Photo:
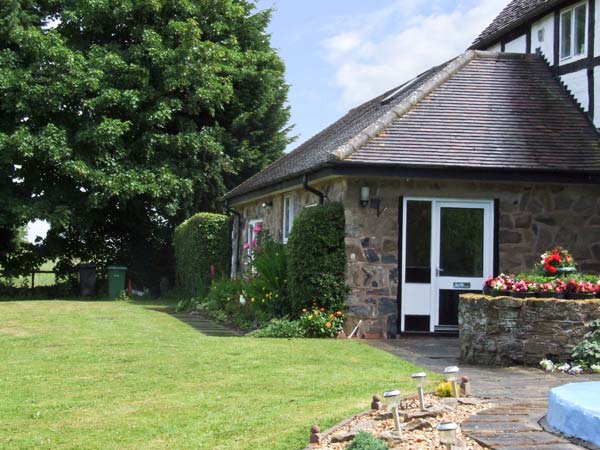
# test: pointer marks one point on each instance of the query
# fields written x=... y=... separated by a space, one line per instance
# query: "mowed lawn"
x=116 y=375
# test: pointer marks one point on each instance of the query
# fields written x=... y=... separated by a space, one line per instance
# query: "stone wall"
x=506 y=330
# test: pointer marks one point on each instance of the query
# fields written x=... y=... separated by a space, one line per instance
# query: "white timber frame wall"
x=580 y=73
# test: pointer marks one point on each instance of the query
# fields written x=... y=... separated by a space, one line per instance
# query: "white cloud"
x=369 y=61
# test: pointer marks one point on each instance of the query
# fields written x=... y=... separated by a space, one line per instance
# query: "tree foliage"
x=120 y=118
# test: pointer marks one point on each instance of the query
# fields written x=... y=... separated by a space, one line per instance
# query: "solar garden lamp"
x=419 y=378
x=447 y=434
x=451 y=375
x=392 y=398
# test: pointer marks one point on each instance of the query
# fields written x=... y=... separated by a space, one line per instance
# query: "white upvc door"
x=462 y=255
x=447 y=250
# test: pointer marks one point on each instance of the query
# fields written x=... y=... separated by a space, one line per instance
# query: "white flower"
x=242 y=300
x=595 y=368
x=547 y=365
x=576 y=370
x=564 y=368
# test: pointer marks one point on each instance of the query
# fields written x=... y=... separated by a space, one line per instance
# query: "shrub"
x=268 y=282
x=588 y=350
x=320 y=323
x=444 y=389
x=317 y=258
x=366 y=441
x=202 y=245
x=280 y=328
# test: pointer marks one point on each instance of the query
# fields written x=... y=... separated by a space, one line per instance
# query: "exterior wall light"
x=447 y=434
x=365 y=195
x=420 y=380
x=268 y=204
x=451 y=376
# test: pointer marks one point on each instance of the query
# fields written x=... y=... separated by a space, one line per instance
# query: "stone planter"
x=508 y=330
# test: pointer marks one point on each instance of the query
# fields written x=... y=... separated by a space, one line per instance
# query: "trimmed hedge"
x=200 y=242
x=317 y=258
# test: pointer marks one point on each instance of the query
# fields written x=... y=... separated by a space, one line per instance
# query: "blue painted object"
x=574 y=409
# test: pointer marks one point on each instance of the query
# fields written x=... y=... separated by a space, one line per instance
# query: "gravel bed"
x=377 y=422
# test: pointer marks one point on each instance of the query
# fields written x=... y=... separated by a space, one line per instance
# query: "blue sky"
x=339 y=53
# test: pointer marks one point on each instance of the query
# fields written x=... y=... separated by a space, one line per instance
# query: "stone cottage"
x=473 y=168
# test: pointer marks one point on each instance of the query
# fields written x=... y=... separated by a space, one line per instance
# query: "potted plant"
x=501 y=285
x=581 y=290
x=520 y=289
x=558 y=261
x=552 y=289
x=487 y=285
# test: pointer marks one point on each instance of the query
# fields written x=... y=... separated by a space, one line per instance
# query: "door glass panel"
x=461 y=242
x=418 y=242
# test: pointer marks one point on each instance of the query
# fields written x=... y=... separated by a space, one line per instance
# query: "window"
x=289 y=207
x=254 y=227
x=573 y=31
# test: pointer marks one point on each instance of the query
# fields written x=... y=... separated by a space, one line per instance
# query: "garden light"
x=392 y=398
x=451 y=376
x=447 y=434
x=419 y=377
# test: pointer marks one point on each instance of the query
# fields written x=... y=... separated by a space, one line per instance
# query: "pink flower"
x=258 y=227
x=254 y=242
x=246 y=246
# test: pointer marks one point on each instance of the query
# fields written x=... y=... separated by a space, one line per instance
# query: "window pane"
x=566 y=21
x=418 y=242
x=286 y=217
x=580 y=24
x=461 y=242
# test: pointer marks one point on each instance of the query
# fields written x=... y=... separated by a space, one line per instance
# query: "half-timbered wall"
x=580 y=75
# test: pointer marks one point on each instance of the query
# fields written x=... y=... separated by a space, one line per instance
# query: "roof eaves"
x=373 y=130
x=481 y=43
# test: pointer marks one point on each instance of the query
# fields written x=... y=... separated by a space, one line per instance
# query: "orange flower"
x=322 y=309
x=304 y=310
x=339 y=313
x=328 y=324
x=332 y=316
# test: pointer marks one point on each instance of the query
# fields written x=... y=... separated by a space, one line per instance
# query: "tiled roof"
x=502 y=110
x=483 y=110
x=516 y=13
x=319 y=149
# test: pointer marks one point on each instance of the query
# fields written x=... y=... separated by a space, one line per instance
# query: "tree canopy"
x=121 y=118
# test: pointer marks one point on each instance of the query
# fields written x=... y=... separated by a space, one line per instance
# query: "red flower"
x=550 y=269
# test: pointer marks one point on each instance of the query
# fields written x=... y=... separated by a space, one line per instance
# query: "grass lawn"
x=116 y=375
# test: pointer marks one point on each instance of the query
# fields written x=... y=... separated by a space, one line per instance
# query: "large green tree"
x=120 y=118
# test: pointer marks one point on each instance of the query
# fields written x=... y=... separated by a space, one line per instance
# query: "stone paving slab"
x=204 y=325
x=519 y=393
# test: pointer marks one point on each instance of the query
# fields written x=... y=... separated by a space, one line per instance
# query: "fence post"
x=32 y=280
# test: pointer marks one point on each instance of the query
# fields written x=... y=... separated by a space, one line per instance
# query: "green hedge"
x=200 y=242
x=317 y=258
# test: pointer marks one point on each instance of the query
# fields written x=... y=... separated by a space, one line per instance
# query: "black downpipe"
x=308 y=188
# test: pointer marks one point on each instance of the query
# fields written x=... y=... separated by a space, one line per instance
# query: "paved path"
x=520 y=393
x=203 y=325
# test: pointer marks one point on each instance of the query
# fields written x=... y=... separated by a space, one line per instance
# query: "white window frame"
x=571 y=10
x=250 y=235
x=288 y=216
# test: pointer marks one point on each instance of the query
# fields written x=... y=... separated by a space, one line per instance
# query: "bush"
x=280 y=328
x=366 y=441
x=587 y=352
x=202 y=249
x=267 y=285
x=320 y=323
x=444 y=389
x=317 y=258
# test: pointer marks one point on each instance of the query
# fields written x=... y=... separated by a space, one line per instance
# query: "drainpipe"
x=322 y=196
